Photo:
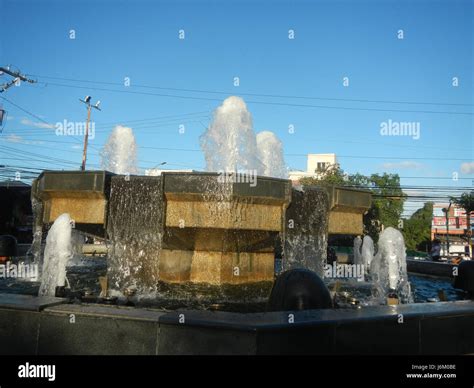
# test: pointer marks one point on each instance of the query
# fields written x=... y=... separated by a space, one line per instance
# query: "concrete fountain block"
x=97 y=329
x=20 y=320
x=82 y=194
x=220 y=232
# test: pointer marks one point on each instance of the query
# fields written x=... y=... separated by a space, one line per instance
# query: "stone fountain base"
x=195 y=228
x=42 y=326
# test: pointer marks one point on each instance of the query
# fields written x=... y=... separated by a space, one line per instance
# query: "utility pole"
x=17 y=76
x=446 y=214
x=87 y=101
x=3 y=115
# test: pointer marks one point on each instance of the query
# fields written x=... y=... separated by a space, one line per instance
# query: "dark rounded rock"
x=465 y=278
x=299 y=289
x=60 y=292
x=8 y=245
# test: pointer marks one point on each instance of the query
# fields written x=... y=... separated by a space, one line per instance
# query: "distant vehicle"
x=454 y=250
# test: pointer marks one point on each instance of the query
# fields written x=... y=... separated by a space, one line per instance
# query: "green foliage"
x=466 y=201
x=333 y=175
x=417 y=229
x=388 y=197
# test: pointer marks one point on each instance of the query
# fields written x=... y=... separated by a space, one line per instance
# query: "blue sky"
x=249 y=40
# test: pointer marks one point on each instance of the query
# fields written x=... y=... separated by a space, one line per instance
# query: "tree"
x=466 y=202
x=331 y=176
x=388 y=197
x=417 y=229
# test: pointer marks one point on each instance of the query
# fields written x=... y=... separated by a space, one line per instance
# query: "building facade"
x=451 y=227
x=316 y=164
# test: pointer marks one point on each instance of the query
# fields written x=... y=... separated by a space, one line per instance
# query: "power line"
x=144 y=126
x=153 y=126
x=387 y=157
x=34 y=115
x=104 y=129
x=159 y=118
x=366 y=141
x=17 y=77
x=17 y=152
x=25 y=110
x=21 y=167
x=153 y=163
x=256 y=102
x=339 y=156
x=255 y=94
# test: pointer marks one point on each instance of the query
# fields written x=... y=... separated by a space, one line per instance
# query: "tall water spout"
x=270 y=153
x=229 y=144
x=389 y=267
x=367 y=252
x=357 y=252
x=119 y=154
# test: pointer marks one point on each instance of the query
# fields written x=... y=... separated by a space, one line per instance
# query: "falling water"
x=389 y=268
x=135 y=228
x=306 y=230
x=270 y=153
x=119 y=154
x=35 y=248
x=57 y=253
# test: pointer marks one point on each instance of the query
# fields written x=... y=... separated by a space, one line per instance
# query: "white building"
x=158 y=171
x=315 y=165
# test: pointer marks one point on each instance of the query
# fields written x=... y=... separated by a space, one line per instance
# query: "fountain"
x=188 y=233
x=135 y=228
x=200 y=236
x=388 y=267
x=305 y=237
x=357 y=251
x=367 y=253
x=363 y=254
x=177 y=229
x=270 y=152
x=119 y=154
x=189 y=260
x=211 y=240
x=57 y=253
x=230 y=144
x=383 y=279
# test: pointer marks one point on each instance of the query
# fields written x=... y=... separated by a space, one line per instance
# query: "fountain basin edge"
x=37 y=325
